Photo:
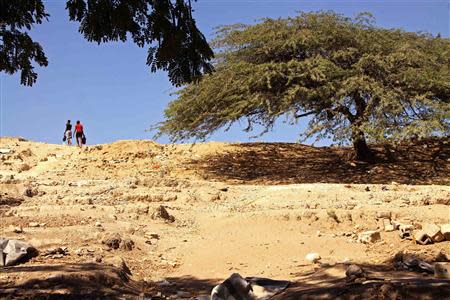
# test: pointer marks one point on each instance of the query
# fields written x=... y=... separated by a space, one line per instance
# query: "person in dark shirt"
x=68 y=133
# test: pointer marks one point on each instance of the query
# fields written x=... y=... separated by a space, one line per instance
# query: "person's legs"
x=78 y=137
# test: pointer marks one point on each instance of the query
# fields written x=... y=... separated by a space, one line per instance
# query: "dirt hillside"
x=140 y=219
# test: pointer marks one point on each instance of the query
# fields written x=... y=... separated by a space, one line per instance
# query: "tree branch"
x=306 y=114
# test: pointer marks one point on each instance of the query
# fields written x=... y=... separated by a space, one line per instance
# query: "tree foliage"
x=166 y=27
x=353 y=79
x=17 y=49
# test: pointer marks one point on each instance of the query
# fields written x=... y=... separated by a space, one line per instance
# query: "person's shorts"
x=68 y=134
x=79 y=135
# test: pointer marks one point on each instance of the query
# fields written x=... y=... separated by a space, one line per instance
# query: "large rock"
x=368 y=237
x=14 y=252
x=434 y=232
x=422 y=238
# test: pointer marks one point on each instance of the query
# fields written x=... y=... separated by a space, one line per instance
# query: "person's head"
x=68 y=121
x=78 y=122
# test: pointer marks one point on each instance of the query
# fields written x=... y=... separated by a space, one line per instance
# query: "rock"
x=152 y=235
x=183 y=294
x=395 y=224
x=353 y=272
x=422 y=238
x=6 y=151
x=313 y=257
x=143 y=210
x=368 y=237
x=332 y=214
x=113 y=241
x=30 y=192
x=127 y=244
x=384 y=215
x=56 y=252
x=14 y=252
x=406 y=231
x=445 y=229
x=16 y=229
x=98 y=224
x=33 y=224
x=24 y=167
x=387 y=225
x=442 y=270
x=434 y=232
x=162 y=213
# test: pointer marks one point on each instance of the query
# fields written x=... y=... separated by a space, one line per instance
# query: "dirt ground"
x=255 y=209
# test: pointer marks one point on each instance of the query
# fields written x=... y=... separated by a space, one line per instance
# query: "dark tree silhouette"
x=166 y=27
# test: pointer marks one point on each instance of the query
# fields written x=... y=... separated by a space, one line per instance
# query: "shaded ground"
x=426 y=162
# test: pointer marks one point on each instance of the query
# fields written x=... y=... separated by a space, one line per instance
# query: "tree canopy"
x=354 y=80
x=167 y=27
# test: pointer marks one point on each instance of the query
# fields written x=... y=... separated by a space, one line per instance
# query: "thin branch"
x=306 y=114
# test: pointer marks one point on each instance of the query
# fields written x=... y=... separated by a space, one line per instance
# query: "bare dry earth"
x=256 y=209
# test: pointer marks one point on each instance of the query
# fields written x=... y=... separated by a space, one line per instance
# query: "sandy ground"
x=255 y=209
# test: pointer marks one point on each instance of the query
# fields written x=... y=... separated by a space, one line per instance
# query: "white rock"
x=368 y=237
x=313 y=257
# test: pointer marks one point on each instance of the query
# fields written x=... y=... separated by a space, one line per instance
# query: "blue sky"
x=110 y=89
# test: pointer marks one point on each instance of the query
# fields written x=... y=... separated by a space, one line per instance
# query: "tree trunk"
x=362 y=150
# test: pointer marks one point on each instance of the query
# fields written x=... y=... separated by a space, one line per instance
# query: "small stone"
x=33 y=224
x=406 y=231
x=16 y=229
x=445 y=229
x=127 y=244
x=162 y=213
x=98 y=224
x=387 y=225
x=368 y=237
x=313 y=257
x=113 y=241
x=384 y=215
x=183 y=294
x=395 y=224
x=442 y=270
x=353 y=272
x=30 y=192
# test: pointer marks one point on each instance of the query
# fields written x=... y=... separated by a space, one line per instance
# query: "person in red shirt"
x=79 y=133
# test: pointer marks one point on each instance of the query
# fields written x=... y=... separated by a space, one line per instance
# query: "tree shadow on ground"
x=427 y=162
x=99 y=281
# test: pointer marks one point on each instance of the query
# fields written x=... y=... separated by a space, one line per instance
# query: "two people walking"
x=78 y=133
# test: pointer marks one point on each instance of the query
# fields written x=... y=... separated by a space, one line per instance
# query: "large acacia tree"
x=356 y=82
x=166 y=26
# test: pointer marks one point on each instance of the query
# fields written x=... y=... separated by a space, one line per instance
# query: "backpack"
x=83 y=140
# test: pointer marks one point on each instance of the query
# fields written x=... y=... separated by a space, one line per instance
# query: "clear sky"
x=110 y=89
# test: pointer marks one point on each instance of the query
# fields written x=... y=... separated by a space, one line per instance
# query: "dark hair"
x=78 y=122
x=68 y=121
